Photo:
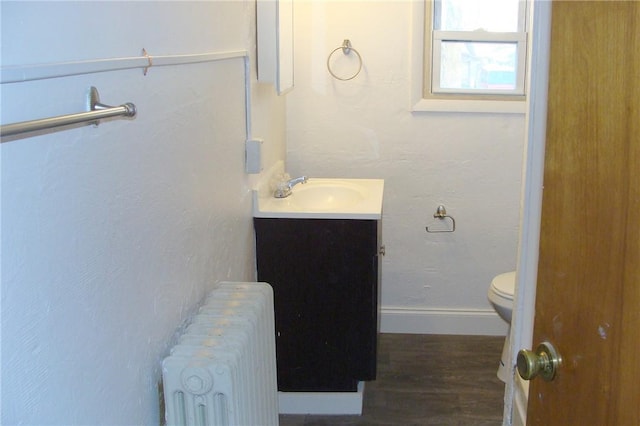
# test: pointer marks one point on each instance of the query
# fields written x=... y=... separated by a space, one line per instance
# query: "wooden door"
x=588 y=294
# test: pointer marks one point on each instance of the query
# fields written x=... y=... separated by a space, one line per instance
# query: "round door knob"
x=544 y=362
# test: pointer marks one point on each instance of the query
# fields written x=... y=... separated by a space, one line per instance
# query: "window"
x=474 y=50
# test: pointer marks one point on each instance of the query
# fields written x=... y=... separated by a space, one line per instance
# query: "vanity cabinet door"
x=324 y=273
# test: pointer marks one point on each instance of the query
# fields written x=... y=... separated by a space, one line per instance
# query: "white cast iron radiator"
x=222 y=372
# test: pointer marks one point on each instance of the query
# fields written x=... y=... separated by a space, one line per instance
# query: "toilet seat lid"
x=505 y=284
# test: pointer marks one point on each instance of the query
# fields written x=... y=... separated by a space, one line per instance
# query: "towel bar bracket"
x=94 y=104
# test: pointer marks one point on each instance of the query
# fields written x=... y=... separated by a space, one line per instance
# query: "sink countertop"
x=367 y=204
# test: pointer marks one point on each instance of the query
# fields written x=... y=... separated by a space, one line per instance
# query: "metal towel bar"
x=97 y=111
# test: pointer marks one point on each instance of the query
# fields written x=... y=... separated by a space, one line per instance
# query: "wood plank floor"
x=427 y=380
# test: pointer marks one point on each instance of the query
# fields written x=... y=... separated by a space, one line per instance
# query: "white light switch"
x=253 y=156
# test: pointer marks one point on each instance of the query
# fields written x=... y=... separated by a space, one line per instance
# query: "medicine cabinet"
x=275 y=43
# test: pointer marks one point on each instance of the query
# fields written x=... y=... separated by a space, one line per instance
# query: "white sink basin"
x=326 y=198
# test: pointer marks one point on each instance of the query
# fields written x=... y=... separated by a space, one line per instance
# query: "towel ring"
x=346 y=49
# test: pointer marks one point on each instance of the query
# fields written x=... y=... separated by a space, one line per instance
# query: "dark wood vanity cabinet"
x=325 y=275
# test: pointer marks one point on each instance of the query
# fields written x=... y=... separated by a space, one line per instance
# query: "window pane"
x=471 y=15
x=478 y=65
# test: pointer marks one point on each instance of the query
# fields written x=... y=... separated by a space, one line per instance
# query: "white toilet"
x=501 y=293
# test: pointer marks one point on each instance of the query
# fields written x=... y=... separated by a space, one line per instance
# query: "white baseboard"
x=325 y=403
x=483 y=322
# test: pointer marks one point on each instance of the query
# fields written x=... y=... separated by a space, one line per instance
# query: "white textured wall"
x=112 y=235
x=471 y=163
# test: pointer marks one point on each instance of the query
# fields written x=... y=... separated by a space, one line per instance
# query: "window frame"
x=424 y=99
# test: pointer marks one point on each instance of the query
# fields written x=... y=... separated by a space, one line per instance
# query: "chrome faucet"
x=284 y=188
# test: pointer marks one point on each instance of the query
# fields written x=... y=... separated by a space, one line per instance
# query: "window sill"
x=470 y=106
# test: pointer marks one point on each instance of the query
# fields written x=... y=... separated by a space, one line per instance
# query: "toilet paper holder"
x=441 y=213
